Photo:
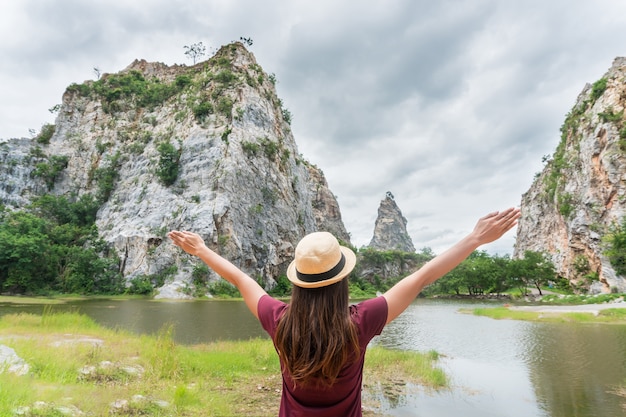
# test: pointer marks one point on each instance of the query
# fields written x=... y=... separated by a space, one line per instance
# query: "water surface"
x=499 y=368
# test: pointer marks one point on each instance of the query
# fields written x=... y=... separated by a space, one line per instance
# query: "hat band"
x=324 y=275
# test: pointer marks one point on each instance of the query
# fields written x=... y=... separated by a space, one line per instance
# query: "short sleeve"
x=270 y=310
x=371 y=317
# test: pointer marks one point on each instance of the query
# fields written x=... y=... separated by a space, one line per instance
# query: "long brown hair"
x=316 y=337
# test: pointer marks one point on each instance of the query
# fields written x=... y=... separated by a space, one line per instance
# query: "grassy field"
x=78 y=367
x=611 y=315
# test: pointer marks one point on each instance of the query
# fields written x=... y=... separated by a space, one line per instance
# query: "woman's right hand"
x=492 y=226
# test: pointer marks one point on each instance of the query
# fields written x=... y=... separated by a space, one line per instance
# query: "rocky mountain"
x=581 y=192
x=390 y=228
x=206 y=148
x=325 y=207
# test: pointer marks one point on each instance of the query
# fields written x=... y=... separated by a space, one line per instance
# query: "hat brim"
x=348 y=267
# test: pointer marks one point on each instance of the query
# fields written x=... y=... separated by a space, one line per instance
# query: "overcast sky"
x=450 y=105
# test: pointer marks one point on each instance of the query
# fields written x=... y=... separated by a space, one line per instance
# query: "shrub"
x=616 y=247
x=226 y=133
x=225 y=106
x=223 y=289
x=202 y=109
x=225 y=77
x=53 y=246
x=107 y=176
x=286 y=115
x=140 y=285
x=250 y=148
x=611 y=116
x=598 y=89
x=49 y=171
x=565 y=204
x=45 y=134
x=168 y=167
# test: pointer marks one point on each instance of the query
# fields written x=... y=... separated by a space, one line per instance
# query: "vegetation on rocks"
x=615 y=242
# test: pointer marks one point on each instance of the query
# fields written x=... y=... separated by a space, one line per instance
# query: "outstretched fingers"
x=509 y=217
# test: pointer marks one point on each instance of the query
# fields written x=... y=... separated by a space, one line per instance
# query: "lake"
x=502 y=368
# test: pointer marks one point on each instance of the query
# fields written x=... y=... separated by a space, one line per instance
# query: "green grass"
x=76 y=363
x=418 y=368
x=612 y=315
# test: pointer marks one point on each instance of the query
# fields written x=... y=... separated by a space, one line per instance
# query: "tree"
x=195 y=51
x=246 y=41
x=535 y=269
x=169 y=157
x=615 y=243
x=54 y=246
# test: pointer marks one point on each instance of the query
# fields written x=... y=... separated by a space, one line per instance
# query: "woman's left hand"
x=190 y=242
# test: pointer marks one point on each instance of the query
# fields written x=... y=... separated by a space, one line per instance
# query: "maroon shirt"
x=343 y=399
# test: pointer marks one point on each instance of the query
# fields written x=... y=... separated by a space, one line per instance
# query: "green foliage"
x=481 y=273
x=615 y=242
x=225 y=77
x=223 y=289
x=49 y=171
x=168 y=167
x=565 y=204
x=286 y=115
x=140 y=285
x=611 y=116
x=145 y=284
x=202 y=110
x=226 y=133
x=250 y=148
x=54 y=246
x=282 y=287
x=598 y=89
x=120 y=92
x=195 y=51
x=225 y=106
x=534 y=269
x=200 y=279
x=182 y=81
x=270 y=148
x=107 y=176
x=47 y=130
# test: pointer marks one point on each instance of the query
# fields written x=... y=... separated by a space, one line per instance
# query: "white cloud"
x=449 y=105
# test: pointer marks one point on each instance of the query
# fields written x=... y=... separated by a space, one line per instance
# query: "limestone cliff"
x=582 y=190
x=206 y=148
x=325 y=206
x=390 y=228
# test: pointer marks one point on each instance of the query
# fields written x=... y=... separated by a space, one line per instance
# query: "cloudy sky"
x=450 y=105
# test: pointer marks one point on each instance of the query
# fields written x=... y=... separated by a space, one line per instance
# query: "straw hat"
x=320 y=261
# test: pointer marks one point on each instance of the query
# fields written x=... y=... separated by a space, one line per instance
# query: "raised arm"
x=193 y=244
x=489 y=228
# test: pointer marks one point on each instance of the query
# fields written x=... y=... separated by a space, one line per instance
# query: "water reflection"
x=513 y=368
x=481 y=355
x=574 y=368
x=197 y=321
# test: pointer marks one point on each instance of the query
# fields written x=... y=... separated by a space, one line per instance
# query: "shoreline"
x=579 y=308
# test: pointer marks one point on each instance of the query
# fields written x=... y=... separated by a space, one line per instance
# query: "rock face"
x=582 y=190
x=390 y=228
x=240 y=182
x=325 y=206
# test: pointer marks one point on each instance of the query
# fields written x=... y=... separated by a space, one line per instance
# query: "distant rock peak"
x=390 y=228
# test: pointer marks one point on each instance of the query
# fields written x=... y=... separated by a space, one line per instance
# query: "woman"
x=320 y=339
